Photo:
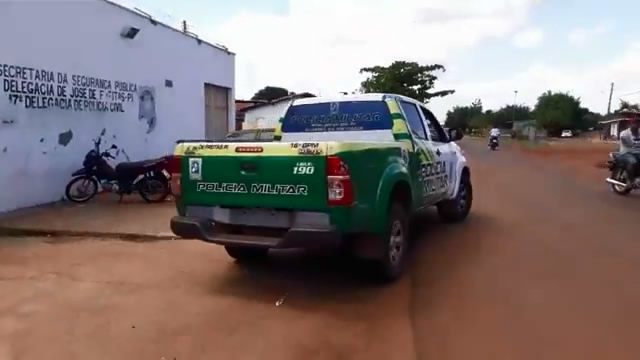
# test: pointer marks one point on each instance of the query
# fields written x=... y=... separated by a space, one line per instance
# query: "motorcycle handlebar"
x=108 y=155
x=96 y=144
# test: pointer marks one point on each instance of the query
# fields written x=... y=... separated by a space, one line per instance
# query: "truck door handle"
x=248 y=167
x=438 y=152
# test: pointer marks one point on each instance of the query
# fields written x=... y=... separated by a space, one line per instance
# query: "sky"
x=490 y=48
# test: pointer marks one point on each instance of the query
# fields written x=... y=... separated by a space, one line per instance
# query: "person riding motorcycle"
x=494 y=133
x=630 y=149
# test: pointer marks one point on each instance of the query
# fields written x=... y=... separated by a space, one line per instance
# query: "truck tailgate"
x=255 y=175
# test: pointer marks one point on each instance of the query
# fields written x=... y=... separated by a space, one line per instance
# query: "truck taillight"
x=173 y=167
x=339 y=186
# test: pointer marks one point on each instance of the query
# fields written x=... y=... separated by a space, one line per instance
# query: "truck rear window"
x=337 y=116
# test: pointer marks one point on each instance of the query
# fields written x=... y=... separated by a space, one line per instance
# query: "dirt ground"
x=104 y=215
x=586 y=157
x=545 y=268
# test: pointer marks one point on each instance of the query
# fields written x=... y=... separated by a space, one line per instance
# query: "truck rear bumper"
x=203 y=229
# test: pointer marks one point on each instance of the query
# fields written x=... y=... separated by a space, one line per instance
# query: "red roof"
x=242 y=104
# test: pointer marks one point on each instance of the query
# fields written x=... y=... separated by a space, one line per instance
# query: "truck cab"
x=347 y=171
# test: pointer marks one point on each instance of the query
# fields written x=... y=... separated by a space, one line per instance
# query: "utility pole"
x=185 y=28
x=610 y=96
x=513 y=113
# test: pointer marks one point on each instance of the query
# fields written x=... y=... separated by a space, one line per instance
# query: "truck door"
x=444 y=170
x=423 y=159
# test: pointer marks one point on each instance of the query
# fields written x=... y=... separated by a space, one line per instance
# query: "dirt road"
x=546 y=268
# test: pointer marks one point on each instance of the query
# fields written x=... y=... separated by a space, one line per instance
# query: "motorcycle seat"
x=137 y=167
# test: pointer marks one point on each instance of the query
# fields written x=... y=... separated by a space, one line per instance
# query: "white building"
x=267 y=115
x=613 y=127
x=72 y=70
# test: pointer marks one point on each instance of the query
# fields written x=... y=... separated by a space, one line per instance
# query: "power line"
x=630 y=93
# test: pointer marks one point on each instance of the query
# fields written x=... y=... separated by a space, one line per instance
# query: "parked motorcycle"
x=493 y=143
x=149 y=178
x=619 y=178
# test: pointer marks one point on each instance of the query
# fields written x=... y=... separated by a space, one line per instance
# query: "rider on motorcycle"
x=494 y=133
x=630 y=148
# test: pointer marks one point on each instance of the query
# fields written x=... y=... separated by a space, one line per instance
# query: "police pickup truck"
x=345 y=171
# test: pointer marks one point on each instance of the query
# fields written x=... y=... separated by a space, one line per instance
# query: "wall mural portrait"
x=147 y=107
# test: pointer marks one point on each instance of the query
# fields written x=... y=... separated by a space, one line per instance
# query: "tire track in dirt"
x=533 y=274
x=544 y=268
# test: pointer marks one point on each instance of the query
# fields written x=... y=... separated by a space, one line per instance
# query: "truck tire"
x=395 y=244
x=457 y=209
x=246 y=254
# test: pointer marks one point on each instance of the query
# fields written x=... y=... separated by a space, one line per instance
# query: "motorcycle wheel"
x=89 y=186
x=154 y=189
x=620 y=175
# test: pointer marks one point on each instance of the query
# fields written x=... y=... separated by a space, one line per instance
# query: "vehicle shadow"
x=308 y=277
x=443 y=250
x=312 y=277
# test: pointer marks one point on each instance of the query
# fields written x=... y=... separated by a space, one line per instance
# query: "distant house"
x=267 y=114
x=612 y=128
x=527 y=128
x=240 y=106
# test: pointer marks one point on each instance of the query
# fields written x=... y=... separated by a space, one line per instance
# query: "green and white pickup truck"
x=344 y=171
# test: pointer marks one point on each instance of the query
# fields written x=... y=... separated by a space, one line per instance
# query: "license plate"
x=260 y=217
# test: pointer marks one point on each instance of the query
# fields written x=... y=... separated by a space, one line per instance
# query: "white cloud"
x=528 y=38
x=320 y=45
x=580 y=36
x=589 y=82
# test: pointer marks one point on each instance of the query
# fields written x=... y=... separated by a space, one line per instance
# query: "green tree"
x=270 y=93
x=460 y=116
x=403 y=78
x=481 y=121
x=490 y=118
x=628 y=106
x=506 y=115
x=555 y=112
x=591 y=120
x=502 y=118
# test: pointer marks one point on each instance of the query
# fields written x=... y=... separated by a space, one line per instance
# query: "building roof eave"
x=156 y=22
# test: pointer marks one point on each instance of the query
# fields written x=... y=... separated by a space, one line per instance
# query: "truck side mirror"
x=455 y=134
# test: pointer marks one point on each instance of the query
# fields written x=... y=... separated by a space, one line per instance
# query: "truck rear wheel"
x=394 y=243
x=457 y=209
x=246 y=254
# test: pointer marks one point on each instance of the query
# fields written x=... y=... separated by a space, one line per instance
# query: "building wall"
x=266 y=116
x=61 y=48
x=614 y=130
x=240 y=106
